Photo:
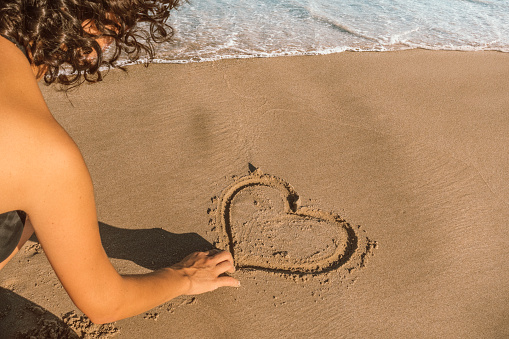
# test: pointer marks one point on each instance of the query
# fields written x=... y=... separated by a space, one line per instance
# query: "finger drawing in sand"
x=380 y=210
x=46 y=185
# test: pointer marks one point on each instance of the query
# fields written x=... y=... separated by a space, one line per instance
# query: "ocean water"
x=217 y=29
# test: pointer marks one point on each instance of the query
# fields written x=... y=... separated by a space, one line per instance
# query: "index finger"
x=222 y=256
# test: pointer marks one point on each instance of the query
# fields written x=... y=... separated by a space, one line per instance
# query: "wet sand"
x=379 y=207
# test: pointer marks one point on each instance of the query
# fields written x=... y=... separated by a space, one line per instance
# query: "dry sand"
x=399 y=160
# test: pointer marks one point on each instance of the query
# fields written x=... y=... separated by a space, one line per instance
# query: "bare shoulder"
x=37 y=157
x=33 y=146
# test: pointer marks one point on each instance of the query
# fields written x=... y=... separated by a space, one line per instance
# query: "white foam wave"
x=309 y=53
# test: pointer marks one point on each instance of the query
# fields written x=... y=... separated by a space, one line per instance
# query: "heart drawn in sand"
x=263 y=226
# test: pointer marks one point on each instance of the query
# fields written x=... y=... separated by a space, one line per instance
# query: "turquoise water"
x=217 y=29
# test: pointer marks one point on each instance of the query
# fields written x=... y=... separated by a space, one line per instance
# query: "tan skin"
x=46 y=177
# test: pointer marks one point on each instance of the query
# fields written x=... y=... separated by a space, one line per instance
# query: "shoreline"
x=408 y=147
x=303 y=54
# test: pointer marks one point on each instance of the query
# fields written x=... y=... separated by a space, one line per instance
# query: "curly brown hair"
x=57 y=33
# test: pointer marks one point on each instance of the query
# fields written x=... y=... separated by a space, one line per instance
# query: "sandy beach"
x=364 y=195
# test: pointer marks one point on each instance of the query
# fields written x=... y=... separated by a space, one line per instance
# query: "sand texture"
x=361 y=194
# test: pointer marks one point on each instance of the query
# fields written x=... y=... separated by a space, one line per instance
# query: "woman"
x=42 y=172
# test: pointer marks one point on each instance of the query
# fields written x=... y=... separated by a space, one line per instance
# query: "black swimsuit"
x=17 y=44
x=11 y=228
x=11 y=223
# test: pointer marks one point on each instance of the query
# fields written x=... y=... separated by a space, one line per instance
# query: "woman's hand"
x=205 y=271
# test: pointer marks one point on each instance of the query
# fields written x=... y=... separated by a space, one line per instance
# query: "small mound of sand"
x=86 y=329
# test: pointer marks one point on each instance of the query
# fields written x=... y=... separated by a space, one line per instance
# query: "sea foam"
x=210 y=30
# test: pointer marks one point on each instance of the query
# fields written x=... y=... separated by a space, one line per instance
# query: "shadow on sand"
x=21 y=318
x=152 y=248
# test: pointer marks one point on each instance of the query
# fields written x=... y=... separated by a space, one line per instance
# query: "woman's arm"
x=54 y=187
x=63 y=213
